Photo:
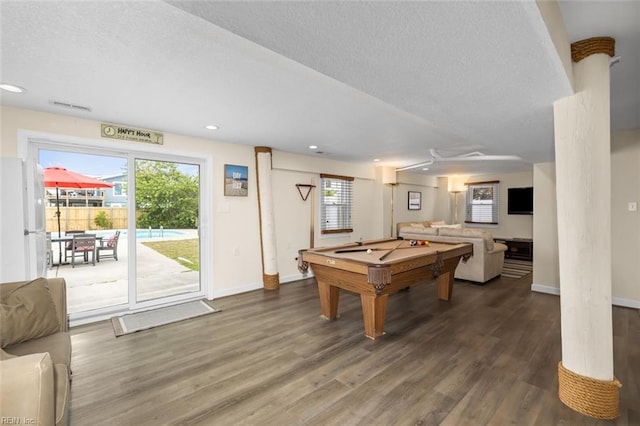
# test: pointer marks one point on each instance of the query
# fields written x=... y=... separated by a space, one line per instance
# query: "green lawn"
x=186 y=252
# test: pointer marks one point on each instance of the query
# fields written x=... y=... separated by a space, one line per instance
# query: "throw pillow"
x=27 y=312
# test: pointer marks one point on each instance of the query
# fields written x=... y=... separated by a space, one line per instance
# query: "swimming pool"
x=157 y=233
x=144 y=233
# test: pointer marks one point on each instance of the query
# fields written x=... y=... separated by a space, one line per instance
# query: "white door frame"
x=30 y=141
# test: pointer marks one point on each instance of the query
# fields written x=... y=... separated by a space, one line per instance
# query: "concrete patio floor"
x=105 y=284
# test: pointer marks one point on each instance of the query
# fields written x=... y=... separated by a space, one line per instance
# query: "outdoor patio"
x=105 y=284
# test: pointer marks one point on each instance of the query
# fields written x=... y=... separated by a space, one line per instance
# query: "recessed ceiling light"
x=425 y=168
x=313 y=146
x=12 y=88
x=375 y=160
x=211 y=127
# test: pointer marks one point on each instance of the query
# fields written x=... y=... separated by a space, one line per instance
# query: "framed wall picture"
x=236 y=182
x=415 y=200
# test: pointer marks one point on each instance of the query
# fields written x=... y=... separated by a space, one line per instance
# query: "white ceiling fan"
x=470 y=156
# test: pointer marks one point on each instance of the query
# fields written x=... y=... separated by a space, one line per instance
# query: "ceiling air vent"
x=72 y=106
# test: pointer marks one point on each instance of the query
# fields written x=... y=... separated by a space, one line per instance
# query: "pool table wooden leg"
x=445 y=286
x=374 y=310
x=329 y=297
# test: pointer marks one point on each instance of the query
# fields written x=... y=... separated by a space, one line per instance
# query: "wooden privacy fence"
x=83 y=218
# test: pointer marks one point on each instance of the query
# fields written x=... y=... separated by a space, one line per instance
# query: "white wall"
x=625 y=225
x=546 y=272
x=13 y=256
x=235 y=260
x=625 y=237
x=293 y=215
x=509 y=226
x=431 y=206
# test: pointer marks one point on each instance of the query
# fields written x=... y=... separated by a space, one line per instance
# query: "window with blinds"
x=483 y=202
x=336 y=199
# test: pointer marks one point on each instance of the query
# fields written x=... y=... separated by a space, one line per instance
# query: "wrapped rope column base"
x=271 y=282
x=589 y=396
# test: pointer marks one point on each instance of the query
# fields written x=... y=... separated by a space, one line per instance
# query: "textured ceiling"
x=620 y=20
x=361 y=80
x=465 y=68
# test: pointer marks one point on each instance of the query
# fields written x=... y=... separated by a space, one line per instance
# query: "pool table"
x=375 y=269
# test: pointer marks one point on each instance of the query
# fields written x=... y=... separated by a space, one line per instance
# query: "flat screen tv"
x=520 y=200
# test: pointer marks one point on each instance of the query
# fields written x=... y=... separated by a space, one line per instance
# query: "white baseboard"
x=256 y=286
x=545 y=289
x=616 y=301
x=295 y=277
x=626 y=303
x=236 y=290
x=74 y=322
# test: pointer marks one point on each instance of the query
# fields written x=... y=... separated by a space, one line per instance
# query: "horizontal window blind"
x=483 y=202
x=336 y=199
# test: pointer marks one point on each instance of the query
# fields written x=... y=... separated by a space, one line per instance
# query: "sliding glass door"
x=146 y=221
x=72 y=207
x=167 y=210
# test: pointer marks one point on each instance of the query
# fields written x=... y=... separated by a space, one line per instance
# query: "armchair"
x=35 y=357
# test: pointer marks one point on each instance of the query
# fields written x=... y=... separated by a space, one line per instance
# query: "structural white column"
x=583 y=188
x=270 y=276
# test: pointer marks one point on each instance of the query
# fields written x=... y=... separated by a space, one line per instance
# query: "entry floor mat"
x=130 y=323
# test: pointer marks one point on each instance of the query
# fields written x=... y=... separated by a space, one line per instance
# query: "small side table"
x=517 y=248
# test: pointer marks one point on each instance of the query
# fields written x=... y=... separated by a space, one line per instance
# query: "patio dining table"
x=68 y=238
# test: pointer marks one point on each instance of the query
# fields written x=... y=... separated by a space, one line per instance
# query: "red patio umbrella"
x=60 y=177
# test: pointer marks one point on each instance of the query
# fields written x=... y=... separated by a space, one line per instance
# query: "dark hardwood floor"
x=488 y=357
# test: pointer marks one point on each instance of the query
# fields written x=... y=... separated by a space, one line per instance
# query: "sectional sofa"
x=488 y=256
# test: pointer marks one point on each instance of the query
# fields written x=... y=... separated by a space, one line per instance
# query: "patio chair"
x=111 y=245
x=83 y=244
x=49 y=251
x=67 y=246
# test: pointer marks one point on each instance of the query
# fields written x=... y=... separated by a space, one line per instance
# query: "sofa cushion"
x=27 y=312
x=419 y=224
x=444 y=225
x=418 y=229
x=470 y=233
x=58 y=345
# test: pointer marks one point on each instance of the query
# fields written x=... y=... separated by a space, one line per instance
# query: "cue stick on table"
x=384 y=256
x=358 y=250
x=395 y=248
x=377 y=249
